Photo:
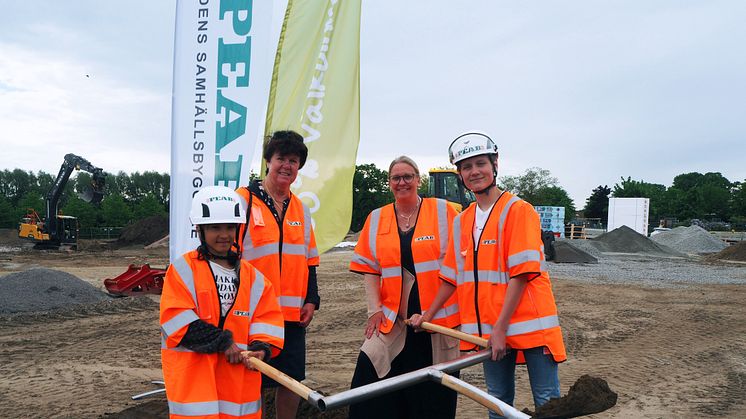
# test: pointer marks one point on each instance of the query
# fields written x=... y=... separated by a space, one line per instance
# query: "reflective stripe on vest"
x=392 y=272
x=375 y=219
x=427 y=266
x=523 y=257
x=484 y=275
x=519 y=328
x=187 y=276
x=287 y=301
x=501 y=227
x=457 y=245
x=446 y=311
x=442 y=206
x=214 y=408
x=391 y=315
x=178 y=321
x=257 y=289
x=362 y=260
x=267 y=329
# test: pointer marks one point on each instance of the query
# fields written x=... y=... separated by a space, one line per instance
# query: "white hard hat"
x=217 y=205
x=469 y=145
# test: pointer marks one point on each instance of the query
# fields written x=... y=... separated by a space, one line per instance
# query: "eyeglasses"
x=406 y=178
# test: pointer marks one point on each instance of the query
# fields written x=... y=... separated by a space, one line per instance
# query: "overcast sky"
x=590 y=90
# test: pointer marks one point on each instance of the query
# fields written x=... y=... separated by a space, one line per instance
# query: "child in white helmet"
x=216 y=312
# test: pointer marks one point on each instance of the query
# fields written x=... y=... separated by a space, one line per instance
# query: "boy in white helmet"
x=495 y=261
x=213 y=307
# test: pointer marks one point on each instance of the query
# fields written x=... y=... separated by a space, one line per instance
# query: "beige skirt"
x=381 y=349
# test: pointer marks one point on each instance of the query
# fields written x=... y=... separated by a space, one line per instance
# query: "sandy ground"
x=667 y=352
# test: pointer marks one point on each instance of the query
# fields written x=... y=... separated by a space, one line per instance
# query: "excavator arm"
x=93 y=194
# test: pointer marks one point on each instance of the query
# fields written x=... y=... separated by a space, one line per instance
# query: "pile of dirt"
x=565 y=252
x=626 y=240
x=693 y=239
x=145 y=231
x=587 y=396
x=41 y=289
x=736 y=252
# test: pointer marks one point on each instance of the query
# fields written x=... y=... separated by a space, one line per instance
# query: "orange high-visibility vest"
x=282 y=254
x=206 y=385
x=378 y=252
x=510 y=245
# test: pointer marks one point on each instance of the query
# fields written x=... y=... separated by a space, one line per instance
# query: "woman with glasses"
x=399 y=253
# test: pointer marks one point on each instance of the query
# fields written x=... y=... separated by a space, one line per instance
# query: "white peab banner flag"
x=223 y=58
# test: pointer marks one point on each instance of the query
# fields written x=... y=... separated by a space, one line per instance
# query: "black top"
x=407 y=262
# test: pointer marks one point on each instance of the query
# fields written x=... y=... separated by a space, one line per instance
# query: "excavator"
x=446 y=184
x=56 y=230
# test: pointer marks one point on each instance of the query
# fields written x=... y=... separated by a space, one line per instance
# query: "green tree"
x=115 y=211
x=148 y=206
x=30 y=200
x=555 y=196
x=538 y=187
x=528 y=185
x=597 y=205
x=370 y=187
x=8 y=217
x=86 y=213
x=706 y=196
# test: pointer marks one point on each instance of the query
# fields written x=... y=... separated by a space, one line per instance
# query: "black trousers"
x=425 y=400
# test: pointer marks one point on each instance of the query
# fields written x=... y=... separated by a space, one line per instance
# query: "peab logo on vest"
x=423 y=238
x=489 y=241
x=241 y=313
x=294 y=223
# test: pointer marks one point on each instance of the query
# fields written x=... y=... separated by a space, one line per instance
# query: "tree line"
x=130 y=197
x=127 y=198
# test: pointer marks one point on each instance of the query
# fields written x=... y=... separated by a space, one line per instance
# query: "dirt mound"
x=145 y=231
x=736 y=252
x=626 y=240
x=693 y=239
x=587 y=396
x=564 y=252
x=41 y=289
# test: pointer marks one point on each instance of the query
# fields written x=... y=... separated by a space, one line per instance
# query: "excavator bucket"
x=91 y=195
x=94 y=193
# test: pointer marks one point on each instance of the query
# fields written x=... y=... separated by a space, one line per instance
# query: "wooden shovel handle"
x=291 y=384
x=454 y=334
x=454 y=385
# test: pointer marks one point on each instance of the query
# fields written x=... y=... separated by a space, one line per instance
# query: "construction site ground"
x=673 y=349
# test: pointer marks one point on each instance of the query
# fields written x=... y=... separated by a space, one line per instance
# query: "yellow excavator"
x=446 y=184
x=57 y=230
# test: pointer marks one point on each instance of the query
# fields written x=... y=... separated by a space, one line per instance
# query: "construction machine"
x=446 y=184
x=56 y=230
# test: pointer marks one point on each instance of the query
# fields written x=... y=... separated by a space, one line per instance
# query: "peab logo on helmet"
x=220 y=198
x=467 y=150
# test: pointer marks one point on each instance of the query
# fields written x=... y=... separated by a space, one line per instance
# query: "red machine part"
x=136 y=280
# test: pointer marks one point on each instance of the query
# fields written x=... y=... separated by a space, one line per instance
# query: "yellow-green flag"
x=316 y=92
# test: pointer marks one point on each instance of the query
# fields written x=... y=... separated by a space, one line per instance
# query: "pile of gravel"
x=626 y=240
x=584 y=245
x=693 y=239
x=566 y=252
x=41 y=289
